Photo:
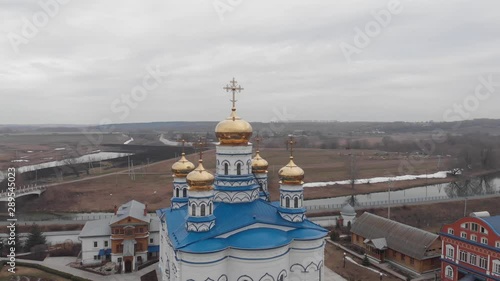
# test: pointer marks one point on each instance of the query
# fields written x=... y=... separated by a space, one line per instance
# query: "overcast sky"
x=78 y=62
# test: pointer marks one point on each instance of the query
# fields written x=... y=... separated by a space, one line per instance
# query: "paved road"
x=60 y=263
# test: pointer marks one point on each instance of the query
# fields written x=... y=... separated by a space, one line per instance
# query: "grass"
x=31 y=273
x=101 y=194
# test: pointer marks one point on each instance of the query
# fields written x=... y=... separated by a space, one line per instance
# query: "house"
x=129 y=238
x=471 y=248
x=402 y=245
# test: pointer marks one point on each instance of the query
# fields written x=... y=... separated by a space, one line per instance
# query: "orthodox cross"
x=257 y=141
x=200 y=145
x=291 y=142
x=183 y=141
x=233 y=87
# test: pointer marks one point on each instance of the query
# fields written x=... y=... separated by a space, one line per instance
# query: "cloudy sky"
x=86 y=62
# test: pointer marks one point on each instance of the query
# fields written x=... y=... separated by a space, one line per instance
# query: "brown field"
x=334 y=260
x=33 y=274
x=154 y=187
x=16 y=146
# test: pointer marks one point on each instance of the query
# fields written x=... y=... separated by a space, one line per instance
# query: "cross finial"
x=183 y=141
x=233 y=87
x=200 y=145
x=257 y=141
x=291 y=142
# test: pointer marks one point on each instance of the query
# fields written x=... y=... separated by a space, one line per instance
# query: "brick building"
x=405 y=246
x=129 y=238
x=471 y=248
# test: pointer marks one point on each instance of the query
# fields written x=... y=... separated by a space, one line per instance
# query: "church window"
x=202 y=207
x=226 y=169
x=296 y=202
x=184 y=192
x=238 y=169
x=287 y=202
x=177 y=192
x=193 y=210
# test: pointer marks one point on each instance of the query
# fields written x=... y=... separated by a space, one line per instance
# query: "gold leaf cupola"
x=291 y=173
x=259 y=164
x=233 y=130
x=200 y=179
x=182 y=167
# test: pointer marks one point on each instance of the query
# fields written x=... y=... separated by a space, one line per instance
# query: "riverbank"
x=359 y=189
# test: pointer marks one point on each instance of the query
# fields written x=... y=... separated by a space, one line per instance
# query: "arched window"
x=177 y=192
x=226 y=169
x=449 y=271
x=193 y=210
x=203 y=207
x=287 y=202
x=296 y=202
x=184 y=192
x=238 y=169
x=210 y=211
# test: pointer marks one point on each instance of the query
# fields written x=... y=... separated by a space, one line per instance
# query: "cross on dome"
x=233 y=87
x=200 y=145
x=291 y=142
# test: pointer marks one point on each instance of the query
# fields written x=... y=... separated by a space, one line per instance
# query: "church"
x=222 y=226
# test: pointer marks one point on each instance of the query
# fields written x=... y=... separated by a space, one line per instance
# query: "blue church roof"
x=231 y=217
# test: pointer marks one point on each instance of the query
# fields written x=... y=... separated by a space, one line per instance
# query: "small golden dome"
x=233 y=130
x=291 y=173
x=200 y=179
x=259 y=164
x=182 y=167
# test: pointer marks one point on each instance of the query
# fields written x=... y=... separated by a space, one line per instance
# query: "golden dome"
x=233 y=130
x=291 y=173
x=259 y=164
x=182 y=167
x=200 y=179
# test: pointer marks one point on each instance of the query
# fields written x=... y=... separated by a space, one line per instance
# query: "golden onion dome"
x=233 y=130
x=291 y=173
x=200 y=179
x=182 y=167
x=259 y=164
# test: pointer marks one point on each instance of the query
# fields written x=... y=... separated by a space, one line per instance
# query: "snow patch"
x=438 y=175
x=60 y=148
x=129 y=141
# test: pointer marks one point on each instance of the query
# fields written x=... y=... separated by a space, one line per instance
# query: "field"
x=152 y=184
x=39 y=148
x=27 y=273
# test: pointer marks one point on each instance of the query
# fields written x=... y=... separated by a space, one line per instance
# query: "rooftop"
x=132 y=209
x=233 y=228
x=403 y=238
